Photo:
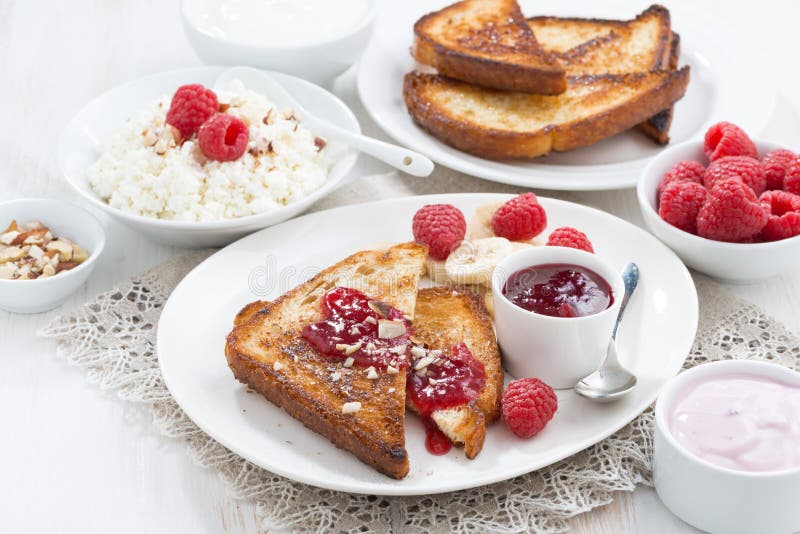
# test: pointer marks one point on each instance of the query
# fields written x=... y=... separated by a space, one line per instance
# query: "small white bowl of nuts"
x=48 y=249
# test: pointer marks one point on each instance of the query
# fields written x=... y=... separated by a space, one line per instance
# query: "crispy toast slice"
x=500 y=125
x=599 y=46
x=487 y=43
x=443 y=317
x=265 y=350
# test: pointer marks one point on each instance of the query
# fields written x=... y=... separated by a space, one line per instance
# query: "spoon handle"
x=398 y=157
x=630 y=276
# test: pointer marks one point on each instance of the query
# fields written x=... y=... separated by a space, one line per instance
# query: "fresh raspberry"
x=683 y=171
x=784 y=215
x=775 y=164
x=680 y=203
x=520 y=219
x=746 y=169
x=726 y=139
x=731 y=212
x=223 y=137
x=440 y=226
x=570 y=237
x=191 y=106
x=791 y=182
x=528 y=405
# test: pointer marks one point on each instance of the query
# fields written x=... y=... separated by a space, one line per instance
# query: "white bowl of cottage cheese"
x=120 y=154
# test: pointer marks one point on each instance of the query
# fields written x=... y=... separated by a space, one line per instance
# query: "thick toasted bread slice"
x=487 y=43
x=445 y=316
x=598 y=46
x=265 y=350
x=500 y=125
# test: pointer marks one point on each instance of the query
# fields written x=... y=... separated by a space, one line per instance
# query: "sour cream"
x=279 y=23
x=740 y=421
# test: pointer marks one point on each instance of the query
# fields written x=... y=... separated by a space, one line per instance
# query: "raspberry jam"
x=559 y=290
x=350 y=328
x=436 y=382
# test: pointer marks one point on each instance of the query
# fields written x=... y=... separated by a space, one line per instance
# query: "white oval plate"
x=655 y=338
x=720 y=89
x=77 y=150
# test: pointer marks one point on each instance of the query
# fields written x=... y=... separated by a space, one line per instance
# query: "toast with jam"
x=487 y=43
x=299 y=352
x=600 y=46
x=445 y=317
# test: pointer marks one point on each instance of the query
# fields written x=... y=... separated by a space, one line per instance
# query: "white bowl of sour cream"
x=313 y=39
x=727 y=447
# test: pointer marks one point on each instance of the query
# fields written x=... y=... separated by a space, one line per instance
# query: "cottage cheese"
x=144 y=170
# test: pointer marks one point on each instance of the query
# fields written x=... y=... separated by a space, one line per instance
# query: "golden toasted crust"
x=266 y=351
x=501 y=125
x=487 y=43
x=445 y=316
x=590 y=46
x=657 y=127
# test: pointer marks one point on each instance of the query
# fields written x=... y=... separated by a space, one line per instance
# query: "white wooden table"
x=74 y=459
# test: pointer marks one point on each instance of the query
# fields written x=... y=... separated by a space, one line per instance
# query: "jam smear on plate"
x=559 y=290
x=350 y=329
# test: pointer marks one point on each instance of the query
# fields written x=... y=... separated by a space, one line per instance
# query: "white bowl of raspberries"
x=729 y=206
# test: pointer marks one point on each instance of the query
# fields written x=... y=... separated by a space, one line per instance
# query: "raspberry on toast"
x=487 y=43
x=443 y=317
x=500 y=125
x=597 y=46
x=266 y=351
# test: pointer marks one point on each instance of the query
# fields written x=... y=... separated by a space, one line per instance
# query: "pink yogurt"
x=743 y=422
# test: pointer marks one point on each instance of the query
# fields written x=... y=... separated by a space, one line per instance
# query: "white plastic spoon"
x=398 y=157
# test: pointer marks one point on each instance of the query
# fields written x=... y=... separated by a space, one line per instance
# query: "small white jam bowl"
x=319 y=62
x=733 y=262
x=557 y=350
x=714 y=498
x=64 y=220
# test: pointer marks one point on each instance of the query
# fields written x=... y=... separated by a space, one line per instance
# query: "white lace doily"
x=113 y=339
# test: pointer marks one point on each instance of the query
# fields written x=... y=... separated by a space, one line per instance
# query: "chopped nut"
x=13 y=227
x=320 y=143
x=370 y=319
x=370 y=346
x=432 y=381
x=149 y=138
x=277 y=366
x=63 y=249
x=9 y=237
x=417 y=351
x=173 y=135
x=48 y=270
x=349 y=362
x=390 y=329
x=422 y=363
x=11 y=254
x=223 y=107
x=372 y=374
x=351 y=407
x=381 y=308
x=35 y=252
x=391 y=390
x=161 y=147
x=7 y=271
x=79 y=254
x=392 y=370
x=348 y=349
x=354 y=330
x=336 y=376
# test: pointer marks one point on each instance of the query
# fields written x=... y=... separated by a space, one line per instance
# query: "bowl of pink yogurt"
x=727 y=447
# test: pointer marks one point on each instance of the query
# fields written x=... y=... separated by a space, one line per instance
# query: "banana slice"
x=480 y=225
x=473 y=262
x=436 y=271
